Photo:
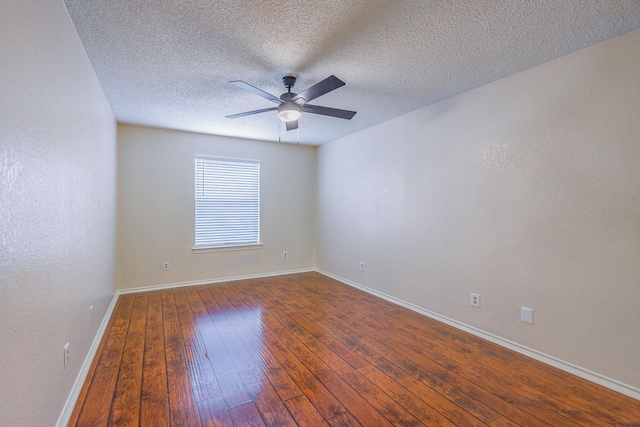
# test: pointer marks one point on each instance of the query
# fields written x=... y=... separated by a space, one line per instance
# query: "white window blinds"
x=227 y=202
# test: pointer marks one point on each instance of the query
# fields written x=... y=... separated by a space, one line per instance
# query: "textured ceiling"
x=168 y=63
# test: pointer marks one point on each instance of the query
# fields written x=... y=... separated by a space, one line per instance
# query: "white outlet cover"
x=362 y=266
x=475 y=300
x=526 y=315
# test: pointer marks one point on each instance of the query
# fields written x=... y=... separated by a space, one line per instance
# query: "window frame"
x=226 y=247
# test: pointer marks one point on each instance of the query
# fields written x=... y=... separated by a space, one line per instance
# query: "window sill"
x=227 y=248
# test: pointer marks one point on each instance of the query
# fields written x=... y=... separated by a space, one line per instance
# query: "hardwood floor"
x=306 y=350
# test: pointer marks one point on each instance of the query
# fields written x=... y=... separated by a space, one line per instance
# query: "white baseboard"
x=581 y=372
x=70 y=404
x=209 y=281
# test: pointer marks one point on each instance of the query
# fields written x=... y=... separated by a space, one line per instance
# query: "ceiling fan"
x=292 y=105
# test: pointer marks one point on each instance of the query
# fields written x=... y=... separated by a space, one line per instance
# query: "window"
x=227 y=203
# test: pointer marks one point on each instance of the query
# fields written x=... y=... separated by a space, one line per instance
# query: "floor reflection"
x=233 y=346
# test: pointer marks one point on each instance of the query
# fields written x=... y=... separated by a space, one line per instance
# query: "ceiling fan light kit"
x=291 y=105
x=289 y=112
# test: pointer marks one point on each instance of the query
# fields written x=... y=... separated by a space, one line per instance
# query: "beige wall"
x=156 y=207
x=526 y=191
x=57 y=208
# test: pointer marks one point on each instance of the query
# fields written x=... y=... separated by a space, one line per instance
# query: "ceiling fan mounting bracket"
x=289 y=82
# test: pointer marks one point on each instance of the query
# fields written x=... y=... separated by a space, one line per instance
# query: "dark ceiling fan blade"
x=326 y=111
x=259 y=92
x=292 y=125
x=318 y=89
x=249 y=113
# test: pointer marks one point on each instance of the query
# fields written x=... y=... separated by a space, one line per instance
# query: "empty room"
x=319 y=213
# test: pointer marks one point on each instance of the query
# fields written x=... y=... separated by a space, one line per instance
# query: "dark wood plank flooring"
x=306 y=350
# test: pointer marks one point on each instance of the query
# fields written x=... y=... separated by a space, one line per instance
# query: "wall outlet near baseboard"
x=165 y=265
x=361 y=265
x=475 y=300
x=284 y=254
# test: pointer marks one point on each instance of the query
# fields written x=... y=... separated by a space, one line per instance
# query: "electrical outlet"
x=475 y=300
x=361 y=265
x=526 y=315
x=165 y=265
x=284 y=254
x=66 y=356
x=91 y=314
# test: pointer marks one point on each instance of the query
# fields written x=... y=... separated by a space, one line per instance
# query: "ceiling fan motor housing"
x=287 y=96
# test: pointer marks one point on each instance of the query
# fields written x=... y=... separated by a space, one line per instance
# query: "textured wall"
x=526 y=191
x=156 y=207
x=57 y=208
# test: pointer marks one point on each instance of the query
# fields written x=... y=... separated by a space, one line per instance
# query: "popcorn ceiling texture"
x=167 y=64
